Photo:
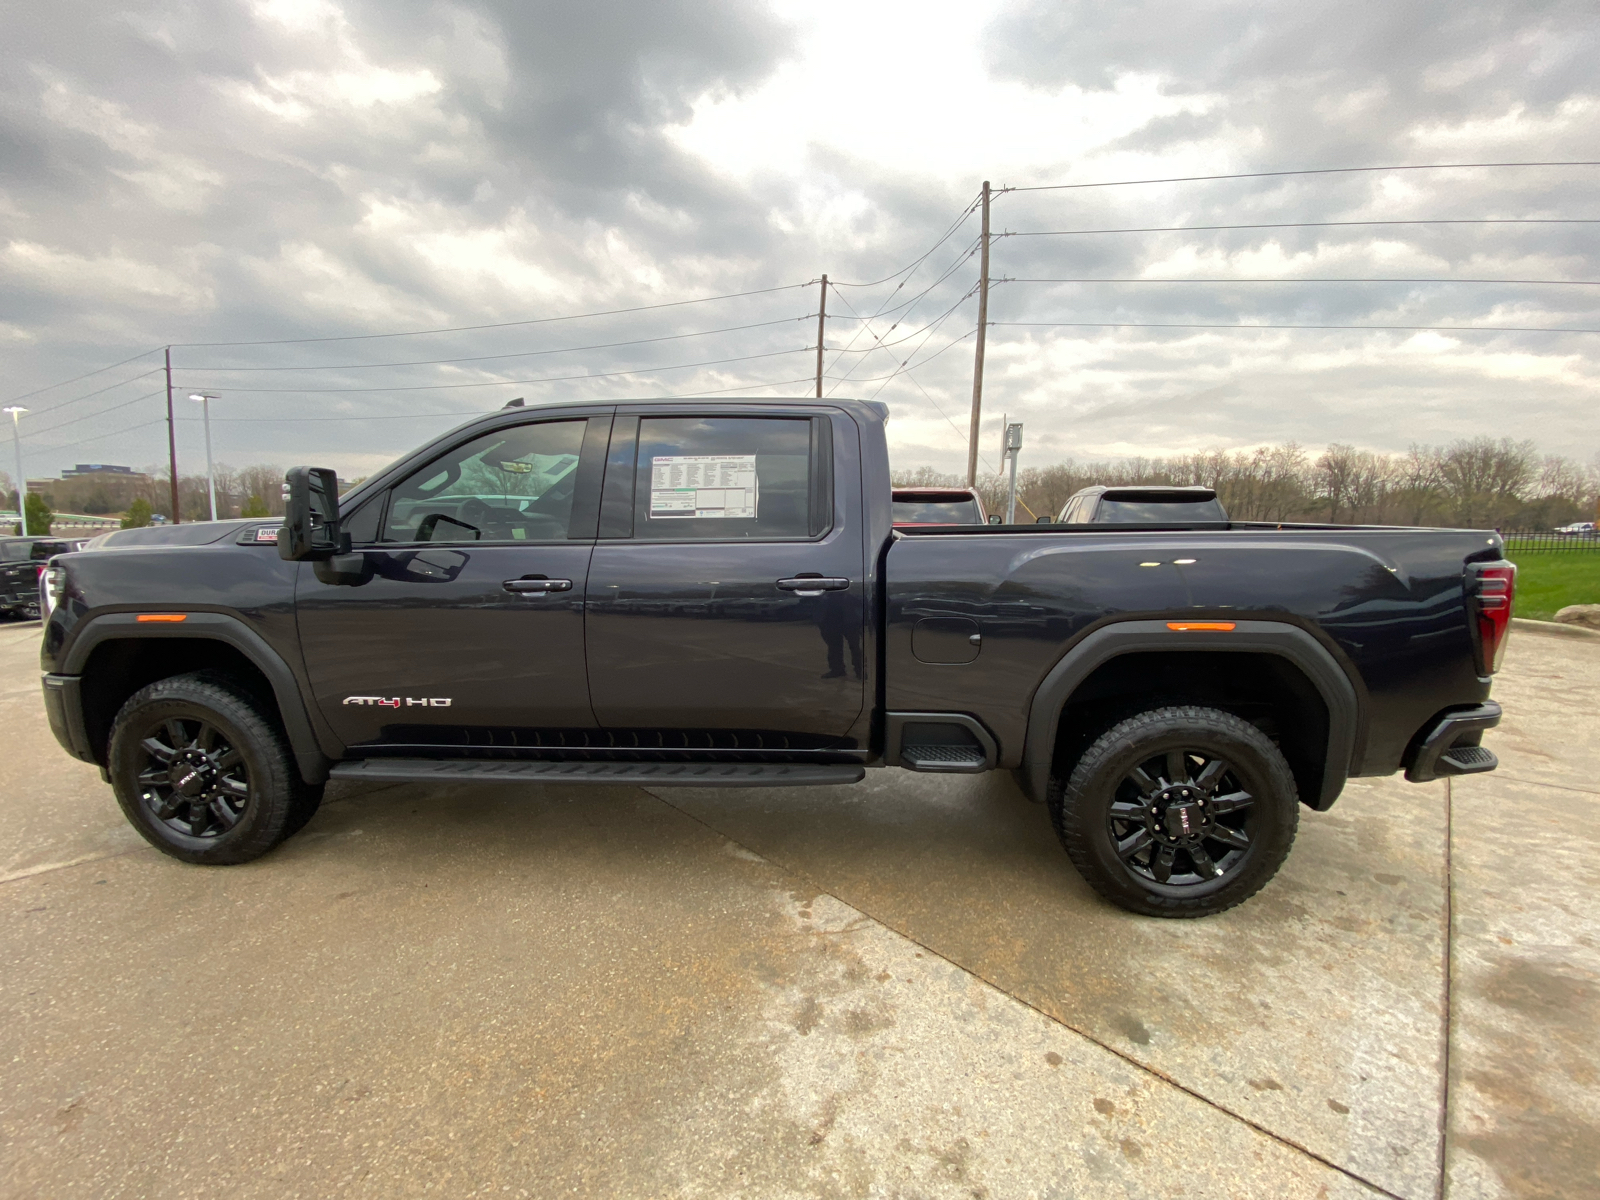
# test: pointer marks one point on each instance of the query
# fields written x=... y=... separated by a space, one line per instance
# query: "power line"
x=431 y=387
x=101 y=436
x=611 y=312
x=908 y=305
x=111 y=387
x=1312 y=225
x=432 y=362
x=1540 y=282
x=85 y=375
x=474 y=412
x=1378 y=328
x=92 y=416
x=930 y=358
x=945 y=237
x=1057 y=187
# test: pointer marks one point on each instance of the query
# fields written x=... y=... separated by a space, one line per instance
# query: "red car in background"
x=938 y=506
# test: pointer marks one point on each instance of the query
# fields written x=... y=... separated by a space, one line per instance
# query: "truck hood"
x=199 y=533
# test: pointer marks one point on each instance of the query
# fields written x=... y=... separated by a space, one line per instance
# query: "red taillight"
x=1494 y=587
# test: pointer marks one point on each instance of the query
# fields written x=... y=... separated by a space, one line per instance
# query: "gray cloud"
x=212 y=173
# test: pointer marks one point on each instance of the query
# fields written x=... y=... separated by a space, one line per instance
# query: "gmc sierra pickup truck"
x=713 y=593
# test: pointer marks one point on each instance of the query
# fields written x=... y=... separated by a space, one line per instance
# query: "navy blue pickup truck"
x=714 y=593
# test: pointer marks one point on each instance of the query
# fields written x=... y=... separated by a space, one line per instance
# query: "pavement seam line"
x=1146 y=1068
x=47 y=868
x=1560 y=787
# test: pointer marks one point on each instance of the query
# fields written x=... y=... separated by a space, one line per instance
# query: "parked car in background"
x=938 y=506
x=1141 y=505
x=1580 y=529
x=22 y=561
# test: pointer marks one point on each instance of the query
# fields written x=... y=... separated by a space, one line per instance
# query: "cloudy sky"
x=314 y=177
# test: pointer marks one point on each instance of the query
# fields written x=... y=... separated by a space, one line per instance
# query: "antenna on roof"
x=517 y=403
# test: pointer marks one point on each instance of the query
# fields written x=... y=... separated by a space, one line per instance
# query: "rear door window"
x=723 y=479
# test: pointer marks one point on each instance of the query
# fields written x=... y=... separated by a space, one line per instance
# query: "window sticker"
x=703 y=485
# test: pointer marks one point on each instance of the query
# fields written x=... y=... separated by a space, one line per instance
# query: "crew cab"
x=714 y=594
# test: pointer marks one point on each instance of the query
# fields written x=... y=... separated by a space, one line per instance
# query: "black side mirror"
x=311 y=515
x=994 y=519
x=1045 y=521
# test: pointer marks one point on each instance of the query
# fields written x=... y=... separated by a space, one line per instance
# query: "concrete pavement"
x=895 y=989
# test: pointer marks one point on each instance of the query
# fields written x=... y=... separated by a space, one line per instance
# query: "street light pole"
x=205 y=399
x=16 y=412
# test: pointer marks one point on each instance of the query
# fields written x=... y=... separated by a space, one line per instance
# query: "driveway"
x=896 y=989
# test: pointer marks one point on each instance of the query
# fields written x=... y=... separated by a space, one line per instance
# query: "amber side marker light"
x=167 y=618
x=1201 y=626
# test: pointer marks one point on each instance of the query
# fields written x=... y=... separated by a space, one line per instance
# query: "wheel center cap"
x=190 y=774
x=1181 y=814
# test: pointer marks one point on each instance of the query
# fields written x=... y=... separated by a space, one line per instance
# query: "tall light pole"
x=16 y=412
x=205 y=399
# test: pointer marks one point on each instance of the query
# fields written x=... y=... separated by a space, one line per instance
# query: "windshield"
x=1158 y=512
x=936 y=512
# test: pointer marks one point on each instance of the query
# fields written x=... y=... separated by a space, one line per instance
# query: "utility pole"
x=983 y=328
x=205 y=399
x=822 y=324
x=172 y=442
x=22 y=484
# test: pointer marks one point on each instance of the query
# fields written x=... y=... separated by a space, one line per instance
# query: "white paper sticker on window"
x=703 y=485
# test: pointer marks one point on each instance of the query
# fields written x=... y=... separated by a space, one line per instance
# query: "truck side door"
x=469 y=629
x=726 y=590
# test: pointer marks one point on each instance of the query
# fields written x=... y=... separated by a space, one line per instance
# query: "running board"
x=655 y=774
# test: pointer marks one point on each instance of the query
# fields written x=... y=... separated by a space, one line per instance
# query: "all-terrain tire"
x=204 y=773
x=1098 y=809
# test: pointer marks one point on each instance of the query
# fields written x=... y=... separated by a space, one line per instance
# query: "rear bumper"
x=63 y=705
x=1449 y=746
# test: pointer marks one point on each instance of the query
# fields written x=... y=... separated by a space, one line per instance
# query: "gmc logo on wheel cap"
x=397 y=701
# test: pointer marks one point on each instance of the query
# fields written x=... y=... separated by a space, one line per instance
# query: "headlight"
x=52 y=586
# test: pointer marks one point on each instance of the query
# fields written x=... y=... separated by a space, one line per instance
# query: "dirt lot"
x=897 y=989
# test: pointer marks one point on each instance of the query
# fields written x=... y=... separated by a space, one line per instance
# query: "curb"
x=1551 y=629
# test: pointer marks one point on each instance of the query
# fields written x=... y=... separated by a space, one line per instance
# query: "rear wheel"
x=203 y=773
x=1177 y=812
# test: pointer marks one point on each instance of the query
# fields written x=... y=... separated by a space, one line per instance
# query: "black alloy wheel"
x=193 y=779
x=1182 y=817
x=204 y=773
x=1177 y=812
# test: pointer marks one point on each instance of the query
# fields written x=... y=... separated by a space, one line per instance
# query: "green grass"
x=1552 y=580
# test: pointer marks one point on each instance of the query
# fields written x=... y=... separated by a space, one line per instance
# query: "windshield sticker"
x=703 y=485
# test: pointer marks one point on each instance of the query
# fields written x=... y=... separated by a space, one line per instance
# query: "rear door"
x=469 y=630
x=726 y=590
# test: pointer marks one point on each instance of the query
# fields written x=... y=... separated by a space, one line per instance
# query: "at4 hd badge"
x=398 y=701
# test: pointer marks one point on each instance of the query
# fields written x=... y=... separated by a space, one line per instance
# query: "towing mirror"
x=311 y=515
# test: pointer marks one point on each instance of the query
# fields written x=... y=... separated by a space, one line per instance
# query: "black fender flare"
x=1258 y=637
x=310 y=757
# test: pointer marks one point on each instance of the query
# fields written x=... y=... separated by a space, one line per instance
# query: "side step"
x=698 y=774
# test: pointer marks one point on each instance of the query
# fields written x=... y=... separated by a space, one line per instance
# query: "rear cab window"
x=1157 y=512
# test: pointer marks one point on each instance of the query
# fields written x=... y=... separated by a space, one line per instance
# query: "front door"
x=726 y=593
x=469 y=630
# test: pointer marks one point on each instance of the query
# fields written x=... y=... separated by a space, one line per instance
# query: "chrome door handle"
x=538 y=586
x=812 y=586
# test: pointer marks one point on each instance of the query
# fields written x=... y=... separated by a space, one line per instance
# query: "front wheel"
x=203 y=773
x=1177 y=812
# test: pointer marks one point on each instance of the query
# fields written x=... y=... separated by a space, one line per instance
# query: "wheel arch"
x=115 y=655
x=1299 y=664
